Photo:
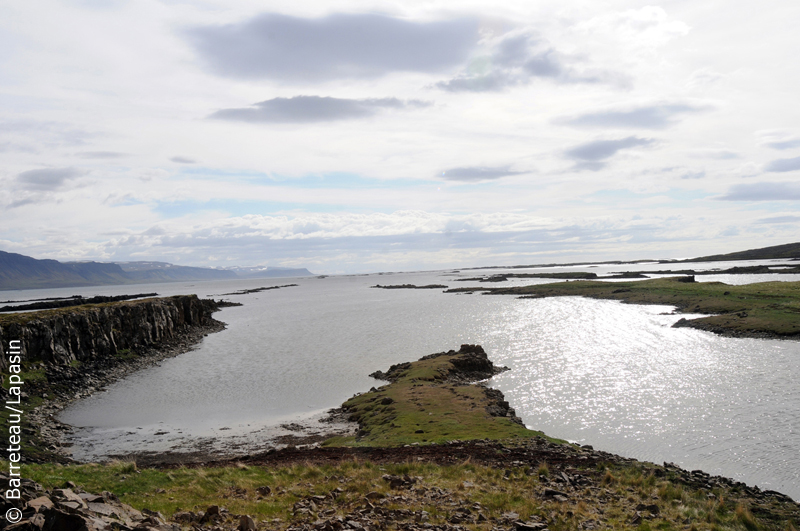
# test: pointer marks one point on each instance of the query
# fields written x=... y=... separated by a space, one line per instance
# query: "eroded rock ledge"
x=85 y=333
x=70 y=353
x=469 y=364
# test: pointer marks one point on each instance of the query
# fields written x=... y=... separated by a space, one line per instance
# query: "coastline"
x=86 y=380
x=339 y=428
x=525 y=482
x=70 y=353
x=768 y=310
x=67 y=384
x=357 y=432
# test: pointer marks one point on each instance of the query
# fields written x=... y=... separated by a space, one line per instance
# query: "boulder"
x=246 y=523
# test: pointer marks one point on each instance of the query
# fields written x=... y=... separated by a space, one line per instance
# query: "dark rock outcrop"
x=74 y=509
x=498 y=406
x=68 y=354
x=470 y=364
x=91 y=332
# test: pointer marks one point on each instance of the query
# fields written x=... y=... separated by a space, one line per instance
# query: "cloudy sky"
x=359 y=136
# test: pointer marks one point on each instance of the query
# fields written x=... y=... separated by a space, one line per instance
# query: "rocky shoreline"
x=437 y=398
x=77 y=383
x=71 y=353
x=76 y=300
x=75 y=352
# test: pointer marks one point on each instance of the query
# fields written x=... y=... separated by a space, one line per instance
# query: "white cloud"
x=520 y=57
x=645 y=27
x=342 y=45
x=655 y=116
x=359 y=119
x=46 y=179
x=779 y=139
x=309 y=109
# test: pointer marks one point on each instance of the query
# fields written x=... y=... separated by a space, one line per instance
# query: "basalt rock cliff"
x=87 y=333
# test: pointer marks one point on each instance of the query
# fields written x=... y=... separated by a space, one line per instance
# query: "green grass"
x=30 y=443
x=126 y=354
x=421 y=406
x=497 y=491
x=771 y=308
x=31 y=372
x=26 y=317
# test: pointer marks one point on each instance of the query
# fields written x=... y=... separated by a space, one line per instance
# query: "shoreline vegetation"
x=452 y=477
x=588 y=275
x=767 y=310
x=433 y=400
x=434 y=450
x=788 y=251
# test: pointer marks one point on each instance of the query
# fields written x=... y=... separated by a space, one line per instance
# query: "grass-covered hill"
x=789 y=250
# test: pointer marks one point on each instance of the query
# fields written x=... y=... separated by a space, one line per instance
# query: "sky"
x=362 y=136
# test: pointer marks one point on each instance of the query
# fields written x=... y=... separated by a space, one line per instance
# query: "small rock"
x=246 y=523
x=652 y=509
x=184 y=517
x=153 y=514
x=529 y=526
x=556 y=494
x=40 y=503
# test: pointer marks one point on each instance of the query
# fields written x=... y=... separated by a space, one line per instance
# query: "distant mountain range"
x=23 y=272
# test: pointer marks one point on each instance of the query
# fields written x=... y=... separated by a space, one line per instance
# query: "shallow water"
x=617 y=376
x=612 y=375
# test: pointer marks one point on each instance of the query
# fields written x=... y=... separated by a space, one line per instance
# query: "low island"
x=760 y=310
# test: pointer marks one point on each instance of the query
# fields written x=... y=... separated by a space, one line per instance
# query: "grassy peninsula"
x=434 y=452
x=763 y=310
x=434 y=400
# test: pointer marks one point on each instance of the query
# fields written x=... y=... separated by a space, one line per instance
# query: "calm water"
x=597 y=372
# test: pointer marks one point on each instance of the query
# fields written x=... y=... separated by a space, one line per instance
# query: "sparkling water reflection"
x=604 y=373
x=618 y=377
